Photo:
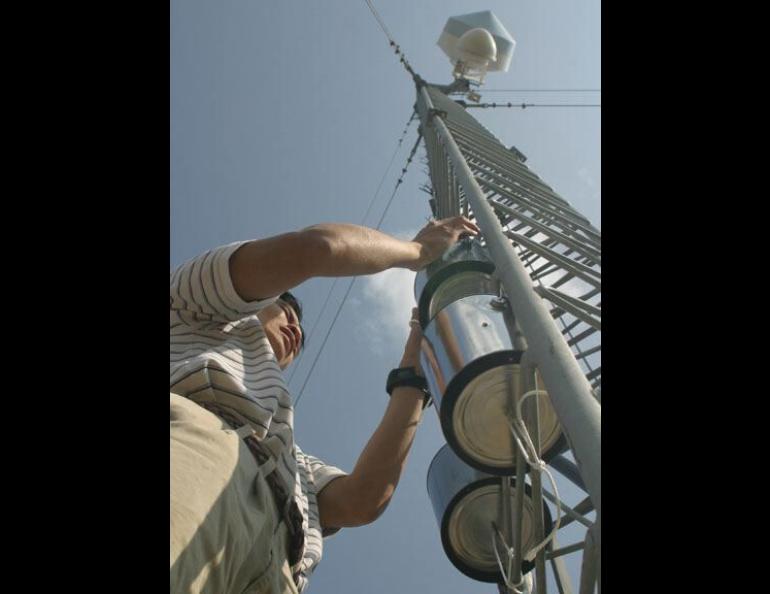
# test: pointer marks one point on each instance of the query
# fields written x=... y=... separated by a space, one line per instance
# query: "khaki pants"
x=226 y=533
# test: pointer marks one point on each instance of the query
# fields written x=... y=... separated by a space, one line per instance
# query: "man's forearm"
x=360 y=497
x=356 y=250
x=380 y=465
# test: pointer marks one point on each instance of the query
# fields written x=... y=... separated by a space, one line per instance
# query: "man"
x=249 y=508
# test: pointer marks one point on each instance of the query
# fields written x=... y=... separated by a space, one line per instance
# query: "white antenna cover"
x=457 y=26
x=477 y=46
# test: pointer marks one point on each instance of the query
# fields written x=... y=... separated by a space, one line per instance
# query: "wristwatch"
x=407 y=376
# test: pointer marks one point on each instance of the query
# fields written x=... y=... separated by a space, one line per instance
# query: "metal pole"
x=553 y=554
x=518 y=510
x=568 y=510
x=571 y=394
x=531 y=415
x=518 y=554
x=507 y=520
x=560 y=574
x=591 y=558
x=582 y=508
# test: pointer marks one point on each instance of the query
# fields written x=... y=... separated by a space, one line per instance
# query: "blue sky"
x=285 y=114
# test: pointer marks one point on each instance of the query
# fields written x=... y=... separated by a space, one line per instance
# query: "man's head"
x=281 y=321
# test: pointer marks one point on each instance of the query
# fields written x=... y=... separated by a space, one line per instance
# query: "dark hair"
x=294 y=303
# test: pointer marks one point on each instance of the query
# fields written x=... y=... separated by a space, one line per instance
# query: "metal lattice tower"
x=548 y=259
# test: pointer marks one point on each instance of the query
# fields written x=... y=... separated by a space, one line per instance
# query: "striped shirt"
x=220 y=354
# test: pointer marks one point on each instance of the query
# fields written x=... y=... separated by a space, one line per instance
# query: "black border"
x=101 y=222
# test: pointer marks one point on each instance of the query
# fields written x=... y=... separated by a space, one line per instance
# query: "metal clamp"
x=435 y=112
x=499 y=303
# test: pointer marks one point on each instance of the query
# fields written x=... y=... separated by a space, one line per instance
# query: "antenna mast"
x=543 y=259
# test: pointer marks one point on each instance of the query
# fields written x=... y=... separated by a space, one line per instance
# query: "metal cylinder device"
x=464 y=270
x=471 y=365
x=468 y=506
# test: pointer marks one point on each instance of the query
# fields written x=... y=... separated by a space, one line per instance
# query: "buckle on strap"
x=244 y=431
x=267 y=467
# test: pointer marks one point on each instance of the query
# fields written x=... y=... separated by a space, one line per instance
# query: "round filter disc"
x=470 y=530
x=482 y=414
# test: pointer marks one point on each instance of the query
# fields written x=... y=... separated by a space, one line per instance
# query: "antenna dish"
x=471 y=39
x=477 y=46
x=475 y=50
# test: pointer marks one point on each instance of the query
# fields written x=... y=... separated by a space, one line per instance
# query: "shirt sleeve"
x=202 y=289
x=320 y=475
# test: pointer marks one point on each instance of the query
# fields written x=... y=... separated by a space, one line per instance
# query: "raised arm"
x=360 y=497
x=268 y=267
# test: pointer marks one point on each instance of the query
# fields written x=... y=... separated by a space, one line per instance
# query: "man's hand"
x=411 y=356
x=438 y=236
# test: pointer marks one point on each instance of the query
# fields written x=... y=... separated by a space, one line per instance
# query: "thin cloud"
x=385 y=306
x=587 y=178
x=584 y=174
